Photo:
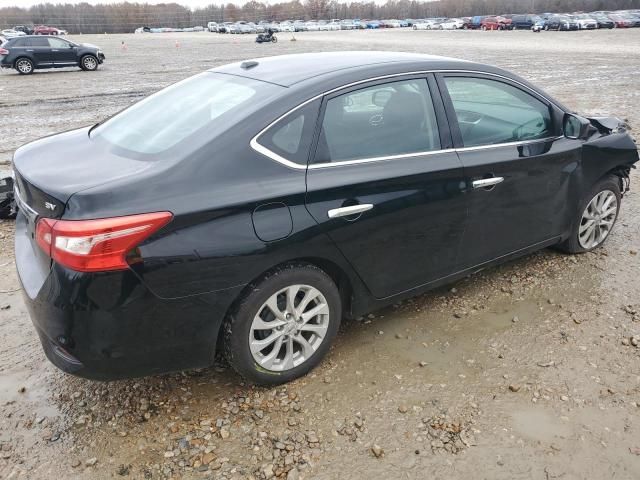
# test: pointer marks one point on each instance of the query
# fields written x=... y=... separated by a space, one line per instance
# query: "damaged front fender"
x=609 y=149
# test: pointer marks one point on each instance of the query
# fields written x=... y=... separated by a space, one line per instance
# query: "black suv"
x=524 y=21
x=27 y=53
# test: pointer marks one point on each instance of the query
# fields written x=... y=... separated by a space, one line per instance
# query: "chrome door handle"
x=352 y=210
x=487 y=182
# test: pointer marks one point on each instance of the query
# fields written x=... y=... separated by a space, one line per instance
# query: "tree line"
x=125 y=17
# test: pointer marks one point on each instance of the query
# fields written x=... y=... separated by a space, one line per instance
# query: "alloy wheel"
x=598 y=219
x=289 y=328
x=24 y=66
x=89 y=63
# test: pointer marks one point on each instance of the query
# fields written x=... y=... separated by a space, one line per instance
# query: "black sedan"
x=28 y=53
x=252 y=207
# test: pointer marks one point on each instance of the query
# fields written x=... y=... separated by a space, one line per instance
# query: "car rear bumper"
x=108 y=325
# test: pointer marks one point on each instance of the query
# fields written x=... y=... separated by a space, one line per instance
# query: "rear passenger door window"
x=38 y=42
x=492 y=112
x=385 y=120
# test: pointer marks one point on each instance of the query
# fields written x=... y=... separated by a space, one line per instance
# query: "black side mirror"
x=576 y=127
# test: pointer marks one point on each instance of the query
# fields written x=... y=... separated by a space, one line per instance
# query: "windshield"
x=200 y=106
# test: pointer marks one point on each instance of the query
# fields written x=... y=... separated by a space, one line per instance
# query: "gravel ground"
x=530 y=370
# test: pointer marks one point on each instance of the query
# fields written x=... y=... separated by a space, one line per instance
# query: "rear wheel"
x=596 y=217
x=284 y=326
x=89 y=63
x=24 y=66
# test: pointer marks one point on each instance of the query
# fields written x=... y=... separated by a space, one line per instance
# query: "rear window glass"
x=196 y=107
x=19 y=42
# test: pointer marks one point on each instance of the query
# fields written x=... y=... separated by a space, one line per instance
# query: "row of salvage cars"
x=545 y=21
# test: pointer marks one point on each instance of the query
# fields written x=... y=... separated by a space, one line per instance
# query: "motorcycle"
x=266 y=37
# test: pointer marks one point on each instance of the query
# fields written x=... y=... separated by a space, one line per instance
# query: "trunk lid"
x=49 y=171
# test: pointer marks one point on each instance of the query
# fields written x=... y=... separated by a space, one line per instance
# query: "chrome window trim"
x=379 y=159
x=255 y=145
x=508 y=144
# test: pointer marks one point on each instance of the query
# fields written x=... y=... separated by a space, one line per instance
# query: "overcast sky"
x=188 y=3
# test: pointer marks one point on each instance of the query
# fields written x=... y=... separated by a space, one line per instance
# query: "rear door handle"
x=487 y=182
x=347 y=211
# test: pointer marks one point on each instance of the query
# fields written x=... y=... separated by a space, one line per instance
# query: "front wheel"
x=596 y=217
x=89 y=63
x=284 y=326
x=274 y=39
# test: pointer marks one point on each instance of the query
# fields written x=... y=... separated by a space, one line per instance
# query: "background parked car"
x=632 y=18
x=524 y=21
x=561 y=22
x=585 y=21
x=212 y=26
x=603 y=21
x=426 y=24
x=31 y=52
x=474 y=23
x=11 y=33
x=28 y=30
x=45 y=30
x=450 y=24
x=495 y=23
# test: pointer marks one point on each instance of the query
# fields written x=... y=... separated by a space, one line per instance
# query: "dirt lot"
x=527 y=371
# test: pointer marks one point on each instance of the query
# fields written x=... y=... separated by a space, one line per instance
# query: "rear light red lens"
x=97 y=245
x=4 y=51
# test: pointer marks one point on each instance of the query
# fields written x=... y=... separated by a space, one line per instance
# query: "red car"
x=621 y=21
x=495 y=23
x=44 y=30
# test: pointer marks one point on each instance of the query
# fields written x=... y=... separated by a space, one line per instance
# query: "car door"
x=385 y=185
x=40 y=50
x=62 y=52
x=518 y=167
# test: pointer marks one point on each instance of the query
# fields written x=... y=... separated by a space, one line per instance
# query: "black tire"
x=89 y=63
x=24 y=66
x=274 y=39
x=572 y=244
x=237 y=326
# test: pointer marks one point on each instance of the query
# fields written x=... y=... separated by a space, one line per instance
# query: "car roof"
x=287 y=70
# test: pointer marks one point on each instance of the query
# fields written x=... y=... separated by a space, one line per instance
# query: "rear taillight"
x=4 y=51
x=97 y=245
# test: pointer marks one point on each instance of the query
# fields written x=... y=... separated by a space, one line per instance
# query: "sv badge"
x=50 y=206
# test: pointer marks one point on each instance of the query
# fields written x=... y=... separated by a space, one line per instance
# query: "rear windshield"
x=197 y=107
